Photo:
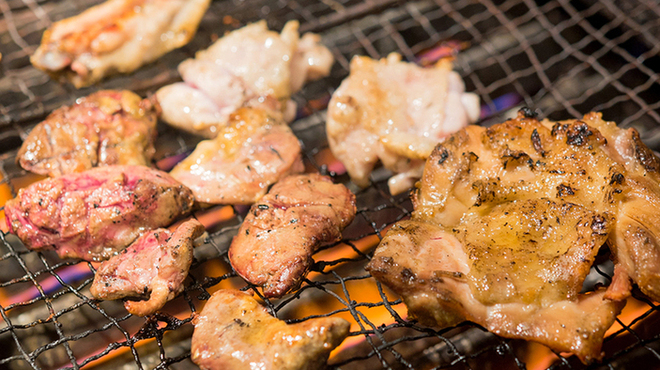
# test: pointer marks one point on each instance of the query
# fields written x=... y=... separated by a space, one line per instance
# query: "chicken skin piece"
x=429 y=267
x=251 y=66
x=234 y=331
x=634 y=242
x=93 y=214
x=254 y=151
x=395 y=112
x=508 y=221
x=154 y=266
x=118 y=36
x=105 y=128
x=274 y=246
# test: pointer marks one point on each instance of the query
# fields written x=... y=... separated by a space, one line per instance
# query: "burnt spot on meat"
x=516 y=157
x=645 y=155
x=617 y=178
x=536 y=142
x=599 y=225
x=528 y=113
x=486 y=191
x=564 y=190
x=407 y=275
x=578 y=134
x=241 y=323
x=444 y=154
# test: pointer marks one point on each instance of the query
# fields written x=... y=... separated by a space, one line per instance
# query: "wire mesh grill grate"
x=560 y=57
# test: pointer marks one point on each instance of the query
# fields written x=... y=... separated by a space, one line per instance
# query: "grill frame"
x=537 y=50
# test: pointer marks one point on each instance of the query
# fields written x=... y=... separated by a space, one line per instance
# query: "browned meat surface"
x=429 y=267
x=237 y=167
x=117 y=36
x=274 y=246
x=251 y=66
x=635 y=239
x=93 y=214
x=234 y=331
x=395 y=112
x=105 y=128
x=507 y=223
x=153 y=267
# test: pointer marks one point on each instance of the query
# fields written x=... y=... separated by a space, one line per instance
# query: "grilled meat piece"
x=93 y=214
x=508 y=220
x=395 y=112
x=429 y=267
x=634 y=241
x=234 y=331
x=104 y=128
x=274 y=246
x=251 y=66
x=117 y=36
x=237 y=167
x=153 y=267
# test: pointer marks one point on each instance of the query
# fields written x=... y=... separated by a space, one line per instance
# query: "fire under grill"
x=562 y=58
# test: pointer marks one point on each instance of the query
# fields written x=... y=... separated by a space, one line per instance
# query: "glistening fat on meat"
x=251 y=153
x=395 y=112
x=251 y=66
x=93 y=214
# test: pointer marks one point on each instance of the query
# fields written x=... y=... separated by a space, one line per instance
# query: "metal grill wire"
x=562 y=58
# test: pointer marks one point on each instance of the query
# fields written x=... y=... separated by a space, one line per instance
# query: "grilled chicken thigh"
x=117 y=36
x=274 y=246
x=251 y=66
x=508 y=221
x=234 y=331
x=395 y=112
x=634 y=241
x=93 y=214
x=153 y=267
x=105 y=128
x=237 y=167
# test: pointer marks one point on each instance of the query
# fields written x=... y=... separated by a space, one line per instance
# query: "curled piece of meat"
x=254 y=151
x=635 y=241
x=93 y=214
x=105 y=128
x=117 y=36
x=395 y=112
x=153 y=267
x=508 y=221
x=251 y=66
x=234 y=331
x=274 y=246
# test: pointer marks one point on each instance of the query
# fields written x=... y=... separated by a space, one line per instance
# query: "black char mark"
x=564 y=190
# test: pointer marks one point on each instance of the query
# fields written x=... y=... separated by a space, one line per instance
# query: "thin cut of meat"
x=105 y=128
x=254 y=151
x=118 y=36
x=251 y=66
x=93 y=214
x=234 y=331
x=153 y=267
x=507 y=224
x=395 y=112
x=274 y=246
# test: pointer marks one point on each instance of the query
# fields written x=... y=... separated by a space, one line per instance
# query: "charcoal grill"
x=562 y=58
